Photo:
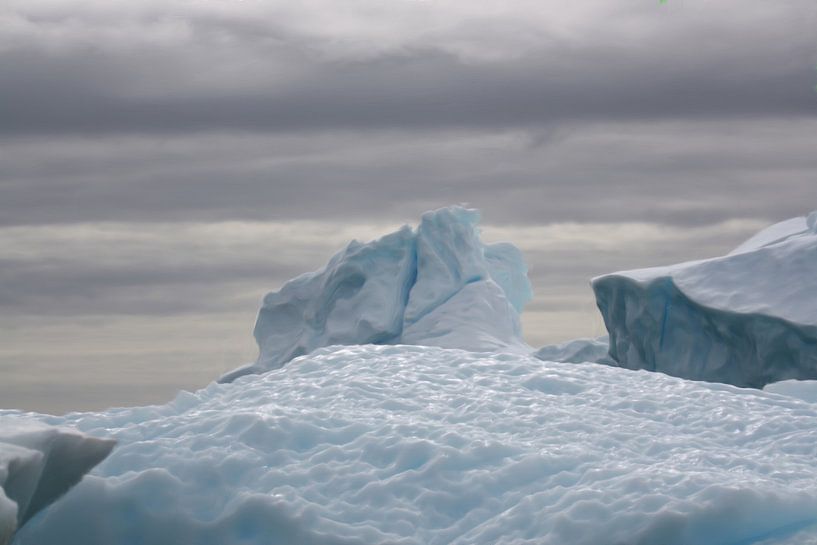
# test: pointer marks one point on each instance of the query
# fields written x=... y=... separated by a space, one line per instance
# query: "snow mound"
x=38 y=464
x=436 y=286
x=418 y=445
x=748 y=318
x=577 y=351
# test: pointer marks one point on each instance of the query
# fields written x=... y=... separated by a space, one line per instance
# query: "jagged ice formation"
x=438 y=285
x=38 y=464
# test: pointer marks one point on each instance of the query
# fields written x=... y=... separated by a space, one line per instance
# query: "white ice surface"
x=426 y=446
x=800 y=389
x=774 y=273
x=409 y=287
x=748 y=318
x=478 y=316
x=778 y=233
x=38 y=464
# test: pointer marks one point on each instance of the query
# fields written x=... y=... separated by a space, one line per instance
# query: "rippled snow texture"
x=427 y=446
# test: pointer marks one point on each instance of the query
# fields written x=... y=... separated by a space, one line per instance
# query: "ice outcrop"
x=801 y=389
x=38 y=464
x=438 y=285
x=577 y=351
x=412 y=445
x=748 y=318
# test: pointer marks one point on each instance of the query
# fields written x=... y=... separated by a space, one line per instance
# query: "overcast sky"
x=164 y=163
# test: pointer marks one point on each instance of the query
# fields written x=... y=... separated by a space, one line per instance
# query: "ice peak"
x=438 y=285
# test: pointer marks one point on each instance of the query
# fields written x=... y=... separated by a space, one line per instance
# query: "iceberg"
x=438 y=285
x=800 y=389
x=415 y=445
x=577 y=351
x=748 y=318
x=38 y=464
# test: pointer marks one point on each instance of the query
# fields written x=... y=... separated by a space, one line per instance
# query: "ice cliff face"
x=438 y=285
x=748 y=318
x=38 y=464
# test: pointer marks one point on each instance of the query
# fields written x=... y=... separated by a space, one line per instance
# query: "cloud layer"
x=90 y=67
x=164 y=163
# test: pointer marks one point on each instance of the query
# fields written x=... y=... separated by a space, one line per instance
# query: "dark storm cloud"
x=214 y=71
x=428 y=91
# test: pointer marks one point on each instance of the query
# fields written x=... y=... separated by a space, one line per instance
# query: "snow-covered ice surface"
x=438 y=285
x=748 y=318
x=38 y=464
x=429 y=446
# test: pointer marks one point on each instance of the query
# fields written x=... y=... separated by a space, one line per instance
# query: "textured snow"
x=428 y=446
x=747 y=318
x=38 y=464
x=409 y=287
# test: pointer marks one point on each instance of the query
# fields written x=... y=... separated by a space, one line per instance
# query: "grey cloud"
x=222 y=71
x=426 y=93
x=107 y=374
x=108 y=270
x=93 y=289
x=133 y=269
x=683 y=173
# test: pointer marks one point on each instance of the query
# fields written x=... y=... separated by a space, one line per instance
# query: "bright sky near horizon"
x=163 y=164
